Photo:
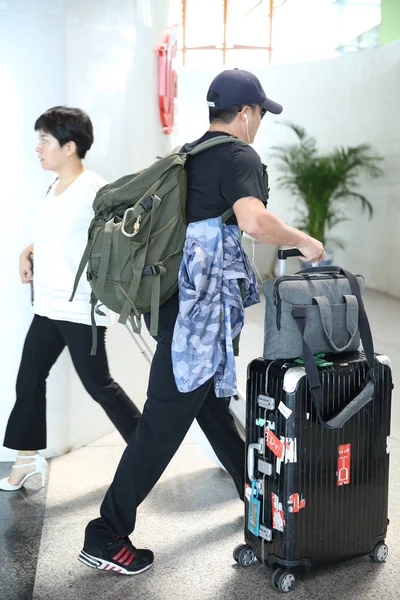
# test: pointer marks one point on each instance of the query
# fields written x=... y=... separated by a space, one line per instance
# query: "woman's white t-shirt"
x=60 y=239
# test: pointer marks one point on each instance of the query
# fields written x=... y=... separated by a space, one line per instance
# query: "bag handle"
x=325 y=311
x=328 y=269
x=363 y=323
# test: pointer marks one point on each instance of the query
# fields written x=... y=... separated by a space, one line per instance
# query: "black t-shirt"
x=220 y=176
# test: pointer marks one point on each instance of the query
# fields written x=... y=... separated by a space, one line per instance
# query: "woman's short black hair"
x=68 y=125
x=226 y=114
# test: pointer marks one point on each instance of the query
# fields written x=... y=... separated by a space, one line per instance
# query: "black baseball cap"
x=235 y=86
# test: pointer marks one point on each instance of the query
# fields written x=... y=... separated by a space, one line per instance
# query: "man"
x=228 y=175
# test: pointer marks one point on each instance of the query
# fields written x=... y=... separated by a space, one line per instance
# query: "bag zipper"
x=279 y=280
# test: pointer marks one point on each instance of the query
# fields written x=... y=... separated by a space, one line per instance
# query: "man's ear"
x=244 y=113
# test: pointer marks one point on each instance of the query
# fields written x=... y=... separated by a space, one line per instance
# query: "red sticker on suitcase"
x=344 y=458
x=274 y=443
x=296 y=503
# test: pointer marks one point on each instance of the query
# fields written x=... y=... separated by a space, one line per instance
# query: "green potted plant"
x=324 y=183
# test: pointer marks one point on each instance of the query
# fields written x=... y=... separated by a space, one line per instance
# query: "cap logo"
x=211 y=104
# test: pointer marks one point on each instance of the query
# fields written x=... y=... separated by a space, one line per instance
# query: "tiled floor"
x=192 y=520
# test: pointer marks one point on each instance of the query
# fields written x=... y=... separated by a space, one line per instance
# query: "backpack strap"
x=94 y=309
x=93 y=302
x=155 y=296
x=51 y=185
x=133 y=288
x=81 y=268
x=105 y=257
x=217 y=141
x=138 y=272
x=183 y=194
x=227 y=215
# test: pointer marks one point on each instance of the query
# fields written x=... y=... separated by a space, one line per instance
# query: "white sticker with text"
x=284 y=410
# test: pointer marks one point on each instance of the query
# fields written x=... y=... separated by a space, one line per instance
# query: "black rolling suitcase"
x=314 y=496
x=317 y=470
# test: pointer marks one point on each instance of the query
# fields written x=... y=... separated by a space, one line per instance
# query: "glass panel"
x=246 y=59
x=359 y=2
x=204 y=23
x=203 y=58
x=247 y=23
x=322 y=25
x=301 y=29
x=291 y=55
x=308 y=25
x=354 y=21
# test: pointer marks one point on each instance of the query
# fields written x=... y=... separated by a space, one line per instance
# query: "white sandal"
x=41 y=467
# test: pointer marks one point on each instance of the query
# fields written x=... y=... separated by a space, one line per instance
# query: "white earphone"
x=247 y=127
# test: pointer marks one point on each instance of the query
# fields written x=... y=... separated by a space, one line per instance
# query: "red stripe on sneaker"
x=130 y=559
x=112 y=568
x=106 y=567
x=124 y=557
x=120 y=553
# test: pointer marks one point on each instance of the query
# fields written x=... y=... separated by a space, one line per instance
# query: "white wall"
x=99 y=56
x=111 y=73
x=32 y=58
x=344 y=101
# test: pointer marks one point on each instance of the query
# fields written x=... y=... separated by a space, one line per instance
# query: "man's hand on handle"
x=312 y=250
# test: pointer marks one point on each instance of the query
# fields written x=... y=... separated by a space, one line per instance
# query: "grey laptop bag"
x=331 y=312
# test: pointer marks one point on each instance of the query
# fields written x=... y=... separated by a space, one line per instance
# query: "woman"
x=65 y=135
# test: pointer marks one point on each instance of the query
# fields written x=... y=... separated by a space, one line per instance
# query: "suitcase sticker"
x=278 y=518
x=296 y=503
x=344 y=458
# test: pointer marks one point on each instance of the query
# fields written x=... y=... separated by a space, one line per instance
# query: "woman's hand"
x=25 y=267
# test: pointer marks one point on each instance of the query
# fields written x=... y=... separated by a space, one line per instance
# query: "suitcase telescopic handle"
x=290 y=252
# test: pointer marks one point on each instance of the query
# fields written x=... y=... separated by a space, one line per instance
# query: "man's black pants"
x=166 y=418
x=46 y=338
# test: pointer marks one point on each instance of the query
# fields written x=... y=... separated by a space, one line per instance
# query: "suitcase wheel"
x=380 y=553
x=283 y=580
x=244 y=555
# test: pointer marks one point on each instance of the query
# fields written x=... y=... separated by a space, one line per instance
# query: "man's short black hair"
x=68 y=125
x=226 y=114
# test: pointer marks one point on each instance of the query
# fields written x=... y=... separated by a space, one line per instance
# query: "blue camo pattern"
x=211 y=307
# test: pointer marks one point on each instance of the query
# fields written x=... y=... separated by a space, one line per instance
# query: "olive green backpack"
x=136 y=239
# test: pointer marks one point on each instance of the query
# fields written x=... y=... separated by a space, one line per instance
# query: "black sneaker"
x=119 y=556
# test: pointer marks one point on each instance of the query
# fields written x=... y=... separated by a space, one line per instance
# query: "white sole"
x=5 y=486
x=97 y=563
